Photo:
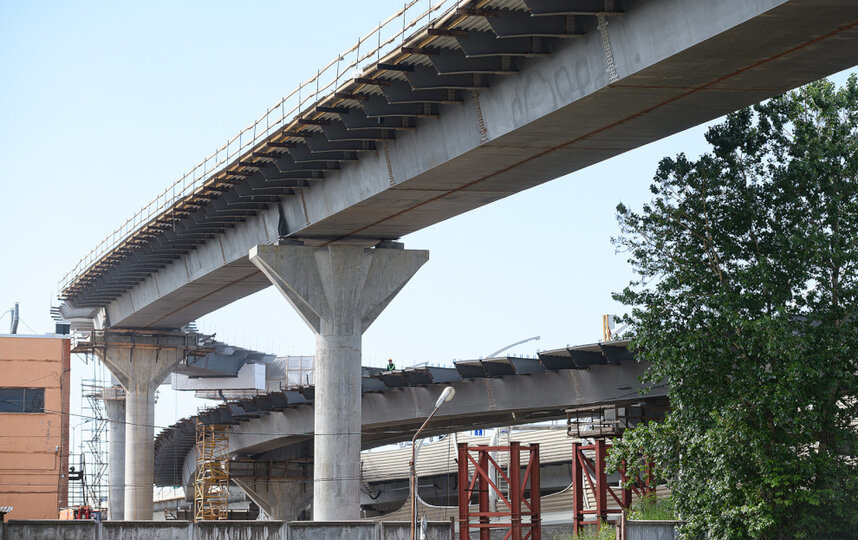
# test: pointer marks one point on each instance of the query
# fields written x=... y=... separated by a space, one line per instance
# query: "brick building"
x=34 y=424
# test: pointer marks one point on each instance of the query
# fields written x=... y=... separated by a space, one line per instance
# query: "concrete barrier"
x=145 y=530
x=216 y=530
x=333 y=530
x=650 y=530
x=554 y=531
x=239 y=530
x=401 y=530
x=50 y=529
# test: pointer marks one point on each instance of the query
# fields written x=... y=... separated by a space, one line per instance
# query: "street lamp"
x=511 y=345
x=445 y=396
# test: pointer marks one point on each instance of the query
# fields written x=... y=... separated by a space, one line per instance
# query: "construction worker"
x=390 y=365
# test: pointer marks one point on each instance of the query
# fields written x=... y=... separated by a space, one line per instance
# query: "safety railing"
x=415 y=16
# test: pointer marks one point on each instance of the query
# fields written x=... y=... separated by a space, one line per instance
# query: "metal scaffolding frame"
x=95 y=438
x=92 y=449
x=516 y=506
x=591 y=471
x=211 y=485
x=601 y=424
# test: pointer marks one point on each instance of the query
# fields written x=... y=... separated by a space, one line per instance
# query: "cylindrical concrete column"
x=139 y=452
x=114 y=404
x=336 y=477
x=338 y=290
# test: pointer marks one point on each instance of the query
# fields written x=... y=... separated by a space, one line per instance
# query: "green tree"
x=745 y=306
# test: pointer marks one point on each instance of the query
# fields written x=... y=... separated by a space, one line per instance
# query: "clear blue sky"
x=103 y=104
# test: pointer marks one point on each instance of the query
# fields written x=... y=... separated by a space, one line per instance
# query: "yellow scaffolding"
x=211 y=486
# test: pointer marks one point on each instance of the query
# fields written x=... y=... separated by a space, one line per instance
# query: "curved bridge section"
x=489 y=392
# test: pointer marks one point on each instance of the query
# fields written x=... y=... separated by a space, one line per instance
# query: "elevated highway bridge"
x=276 y=427
x=440 y=110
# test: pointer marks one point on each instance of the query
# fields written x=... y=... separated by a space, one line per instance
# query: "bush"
x=652 y=507
x=605 y=532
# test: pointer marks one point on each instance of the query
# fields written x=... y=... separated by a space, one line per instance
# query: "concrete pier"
x=140 y=360
x=338 y=290
x=114 y=404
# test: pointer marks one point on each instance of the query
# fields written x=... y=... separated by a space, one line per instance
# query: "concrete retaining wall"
x=401 y=530
x=50 y=529
x=144 y=530
x=220 y=530
x=650 y=530
x=552 y=531
x=240 y=530
x=333 y=530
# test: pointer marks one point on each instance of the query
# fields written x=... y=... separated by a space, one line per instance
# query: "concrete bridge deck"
x=491 y=98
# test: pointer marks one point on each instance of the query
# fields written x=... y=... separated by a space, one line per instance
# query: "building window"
x=22 y=400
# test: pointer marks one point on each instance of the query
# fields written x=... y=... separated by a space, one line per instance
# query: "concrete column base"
x=338 y=290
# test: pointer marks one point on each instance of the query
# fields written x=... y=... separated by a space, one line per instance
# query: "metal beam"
x=513 y=24
x=574 y=7
x=287 y=164
x=402 y=92
x=337 y=131
x=303 y=154
x=320 y=143
x=426 y=78
x=356 y=119
x=479 y=44
x=377 y=106
x=454 y=62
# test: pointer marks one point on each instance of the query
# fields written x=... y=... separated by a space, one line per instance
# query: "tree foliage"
x=745 y=306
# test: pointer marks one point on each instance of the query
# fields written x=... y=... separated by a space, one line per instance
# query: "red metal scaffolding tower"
x=592 y=472
x=517 y=504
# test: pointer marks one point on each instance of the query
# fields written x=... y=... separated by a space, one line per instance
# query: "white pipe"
x=15 y=318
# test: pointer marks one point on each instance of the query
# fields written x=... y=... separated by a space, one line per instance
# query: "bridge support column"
x=114 y=404
x=338 y=290
x=140 y=360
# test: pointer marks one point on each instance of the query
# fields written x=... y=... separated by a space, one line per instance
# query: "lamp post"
x=445 y=396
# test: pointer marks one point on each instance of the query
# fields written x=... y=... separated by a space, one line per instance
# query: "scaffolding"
x=298 y=371
x=519 y=514
x=95 y=440
x=211 y=486
x=601 y=424
x=91 y=470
